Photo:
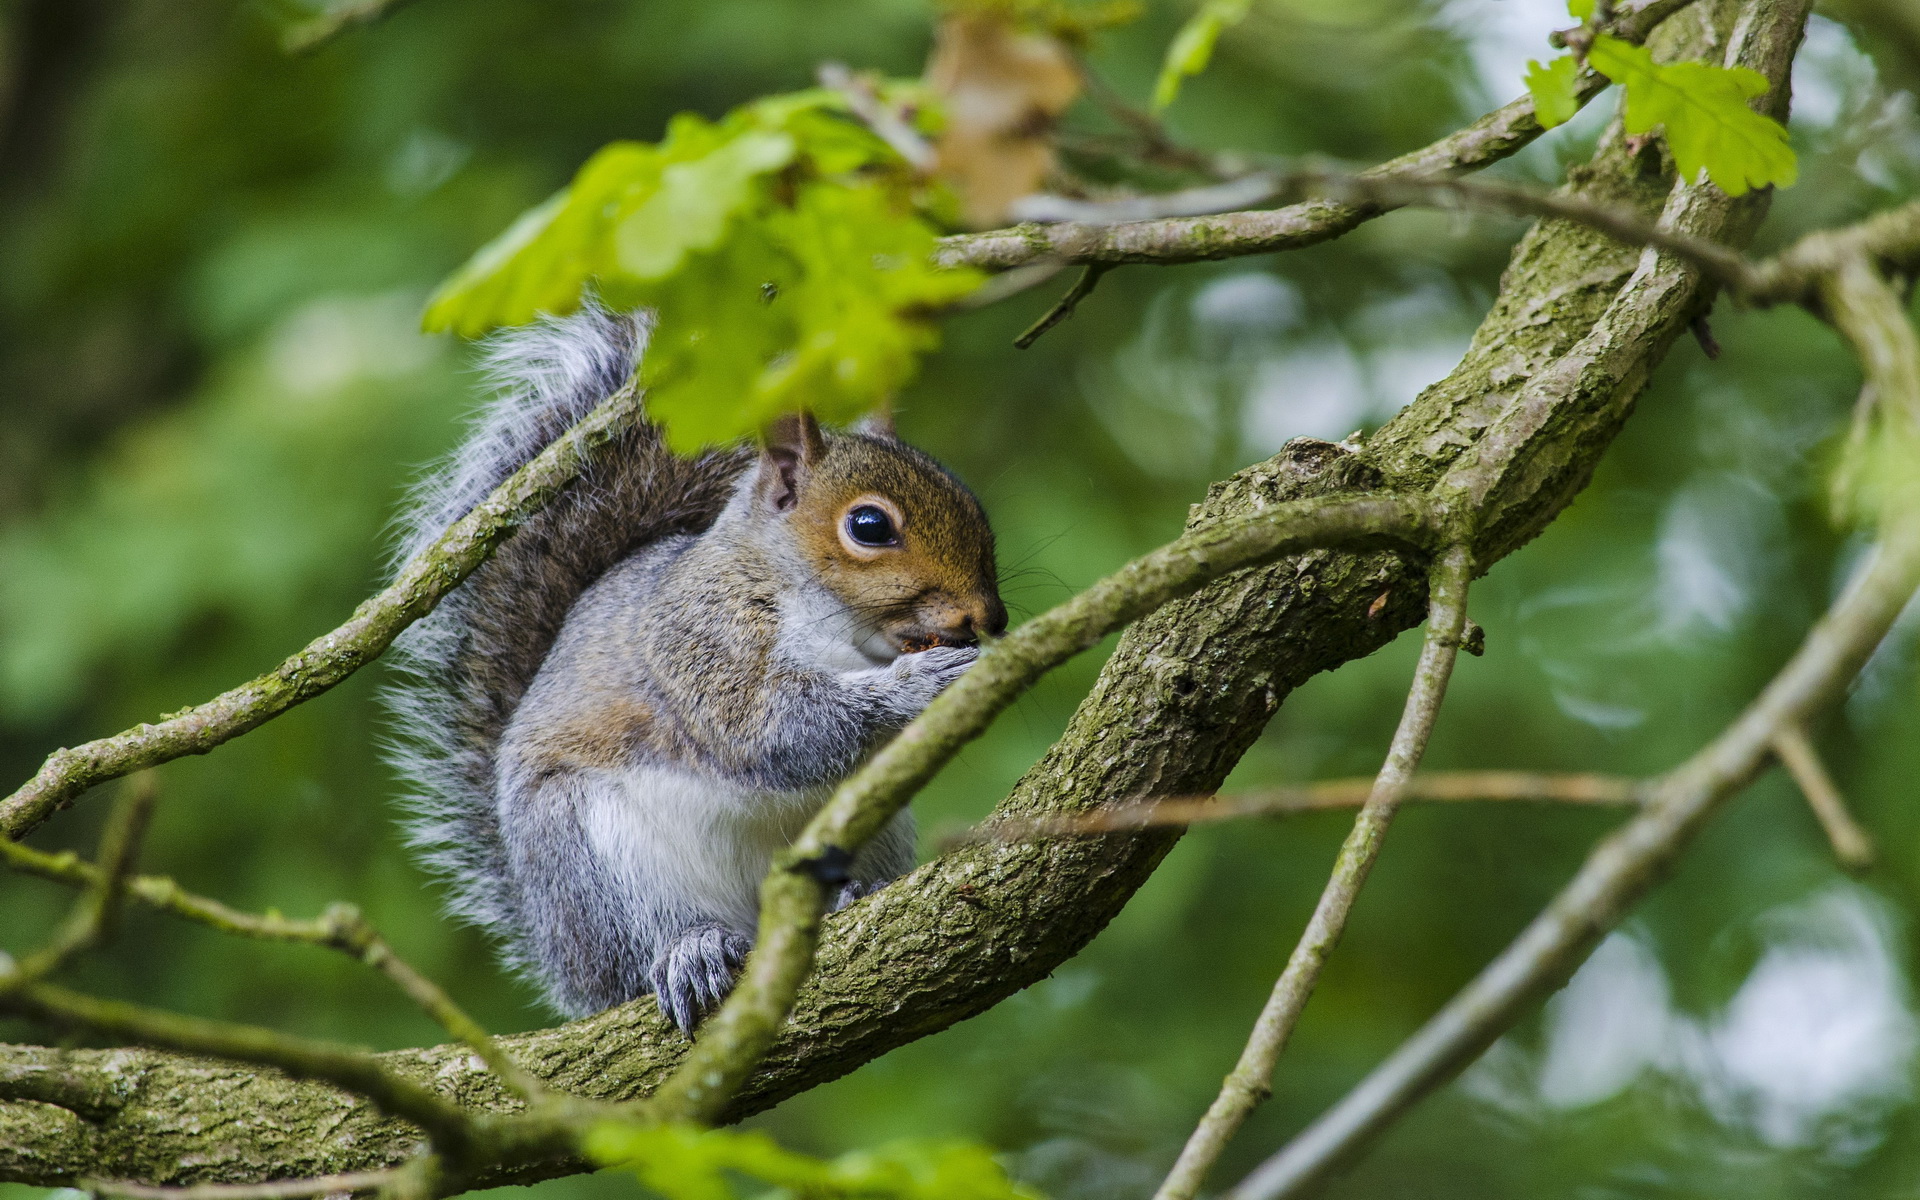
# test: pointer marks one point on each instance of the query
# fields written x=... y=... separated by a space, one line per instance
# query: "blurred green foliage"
x=1192 y=47
x=784 y=247
x=213 y=398
x=1701 y=110
x=682 y=1162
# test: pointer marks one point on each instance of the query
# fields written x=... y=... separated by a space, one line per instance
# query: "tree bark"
x=1516 y=430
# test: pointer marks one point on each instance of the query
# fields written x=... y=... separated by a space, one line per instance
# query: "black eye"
x=870 y=526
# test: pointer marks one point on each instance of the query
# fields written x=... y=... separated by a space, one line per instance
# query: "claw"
x=694 y=972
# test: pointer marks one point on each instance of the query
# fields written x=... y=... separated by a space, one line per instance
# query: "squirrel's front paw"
x=926 y=673
x=694 y=972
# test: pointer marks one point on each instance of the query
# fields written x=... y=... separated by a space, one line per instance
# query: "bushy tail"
x=465 y=667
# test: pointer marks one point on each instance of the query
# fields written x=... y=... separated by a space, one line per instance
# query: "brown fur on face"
x=937 y=585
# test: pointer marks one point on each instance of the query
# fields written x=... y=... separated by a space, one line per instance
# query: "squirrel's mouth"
x=914 y=643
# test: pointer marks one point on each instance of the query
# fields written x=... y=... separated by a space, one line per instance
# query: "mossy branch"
x=1185 y=692
x=793 y=898
x=1871 y=317
x=332 y=657
x=1494 y=137
x=94 y=916
x=341 y=927
x=1250 y=1082
x=1579 y=790
x=311 y=34
x=447 y=1124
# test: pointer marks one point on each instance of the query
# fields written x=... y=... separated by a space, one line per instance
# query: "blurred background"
x=212 y=396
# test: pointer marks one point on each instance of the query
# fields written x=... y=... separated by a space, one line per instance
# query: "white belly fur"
x=689 y=847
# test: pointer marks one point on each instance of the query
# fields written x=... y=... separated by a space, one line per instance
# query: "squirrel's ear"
x=793 y=445
x=878 y=423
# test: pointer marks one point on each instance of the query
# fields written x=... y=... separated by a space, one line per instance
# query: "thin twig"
x=1330 y=795
x=1156 y=144
x=875 y=113
x=1189 y=239
x=793 y=897
x=1621 y=870
x=1226 y=196
x=313 y=33
x=342 y=927
x=1889 y=241
x=332 y=657
x=282 y=1189
x=351 y=933
x=1851 y=844
x=1869 y=314
x=97 y=910
x=1494 y=137
x=449 y=1126
x=1374 y=192
x=1251 y=1081
x=1721 y=264
x=165 y=895
x=1081 y=289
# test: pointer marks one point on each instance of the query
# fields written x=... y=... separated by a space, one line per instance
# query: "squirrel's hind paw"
x=694 y=972
x=852 y=890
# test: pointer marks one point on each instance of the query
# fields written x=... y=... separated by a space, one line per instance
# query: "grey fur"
x=625 y=697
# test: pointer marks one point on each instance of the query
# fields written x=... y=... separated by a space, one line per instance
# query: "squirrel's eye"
x=870 y=526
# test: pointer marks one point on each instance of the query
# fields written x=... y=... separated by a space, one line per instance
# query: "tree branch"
x=1579 y=319
x=1496 y=136
x=1328 y=795
x=1851 y=845
x=1250 y=1082
x=97 y=911
x=1081 y=289
x=286 y=1189
x=305 y=1058
x=332 y=657
x=793 y=898
x=1624 y=868
x=1871 y=317
x=341 y=927
x=311 y=34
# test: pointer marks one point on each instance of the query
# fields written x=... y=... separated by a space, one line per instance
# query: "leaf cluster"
x=786 y=247
x=1192 y=47
x=686 y=1162
x=1701 y=108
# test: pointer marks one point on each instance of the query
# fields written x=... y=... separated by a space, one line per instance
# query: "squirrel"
x=614 y=723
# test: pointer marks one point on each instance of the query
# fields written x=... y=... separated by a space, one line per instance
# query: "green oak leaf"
x=1709 y=127
x=694 y=201
x=786 y=250
x=1554 y=87
x=1192 y=47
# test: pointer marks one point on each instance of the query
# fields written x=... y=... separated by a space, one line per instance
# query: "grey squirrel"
x=614 y=724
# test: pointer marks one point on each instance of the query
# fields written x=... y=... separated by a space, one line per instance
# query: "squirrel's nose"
x=986 y=615
x=965 y=622
x=992 y=620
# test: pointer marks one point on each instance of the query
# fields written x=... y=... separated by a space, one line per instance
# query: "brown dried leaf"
x=1004 y=88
